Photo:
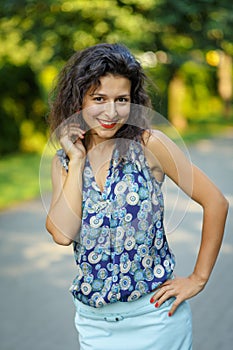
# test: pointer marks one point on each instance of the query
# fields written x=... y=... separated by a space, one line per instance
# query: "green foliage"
x=18 y=178
x=38 y=36
x=201 y=99
x=19 y=100
x=158 y=85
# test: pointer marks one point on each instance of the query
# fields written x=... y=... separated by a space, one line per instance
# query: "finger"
x=167 y=283
x=76 y=136
x=72 y=128
x=73 y=134
x=167 y=295
x=161 y=295
x=76 y=127
x=174 y=307
x=75 y=130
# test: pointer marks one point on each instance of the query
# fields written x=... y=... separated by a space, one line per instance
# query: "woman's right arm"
x=65 y=213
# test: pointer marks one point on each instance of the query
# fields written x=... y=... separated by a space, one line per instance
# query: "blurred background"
x=185 y=47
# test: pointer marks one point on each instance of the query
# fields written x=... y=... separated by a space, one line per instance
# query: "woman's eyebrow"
x=103 y=95
x=97 y=94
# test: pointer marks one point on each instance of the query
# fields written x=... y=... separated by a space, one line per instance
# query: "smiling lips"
x=107 y=124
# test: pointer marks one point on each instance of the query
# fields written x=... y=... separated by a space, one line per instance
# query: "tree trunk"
x=225 y=83
x=176 y=94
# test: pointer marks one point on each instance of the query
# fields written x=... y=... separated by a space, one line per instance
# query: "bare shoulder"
x=155 y=142
x=156 y=138
x=166 y=152
x=159 y=144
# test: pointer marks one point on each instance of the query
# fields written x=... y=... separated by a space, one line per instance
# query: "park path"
x=35 y=306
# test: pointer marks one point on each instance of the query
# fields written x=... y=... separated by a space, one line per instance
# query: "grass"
x=25 y=176
x=20 y=180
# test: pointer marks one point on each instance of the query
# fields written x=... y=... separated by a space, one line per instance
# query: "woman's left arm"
x=215 y=207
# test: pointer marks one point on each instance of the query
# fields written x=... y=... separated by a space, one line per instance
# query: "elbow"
x=217 y=205
x=65 y=241
x=227 y=204
x=58 y=237
x=222 y=205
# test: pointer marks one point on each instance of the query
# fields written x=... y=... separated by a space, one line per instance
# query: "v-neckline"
x=102 y=192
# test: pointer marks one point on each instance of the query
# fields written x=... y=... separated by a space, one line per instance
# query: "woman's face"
x=106 y=108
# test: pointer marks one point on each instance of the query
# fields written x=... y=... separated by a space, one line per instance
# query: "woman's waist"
x=123 y=288
x=118 y=307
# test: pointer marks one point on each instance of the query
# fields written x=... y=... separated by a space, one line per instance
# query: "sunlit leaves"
x=38 y=36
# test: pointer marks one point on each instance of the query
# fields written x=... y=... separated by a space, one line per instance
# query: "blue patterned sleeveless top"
x=122 y=251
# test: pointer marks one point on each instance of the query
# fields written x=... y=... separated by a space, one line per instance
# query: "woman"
x=107 y=201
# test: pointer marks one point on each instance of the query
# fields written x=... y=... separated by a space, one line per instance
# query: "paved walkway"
x=35 y=306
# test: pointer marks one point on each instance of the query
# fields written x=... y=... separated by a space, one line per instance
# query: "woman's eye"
x=99 y=99
x=123 y=99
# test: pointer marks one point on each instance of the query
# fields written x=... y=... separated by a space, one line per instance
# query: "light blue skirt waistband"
x=125 y=309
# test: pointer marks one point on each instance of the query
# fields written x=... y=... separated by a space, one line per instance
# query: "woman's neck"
x=95 y=141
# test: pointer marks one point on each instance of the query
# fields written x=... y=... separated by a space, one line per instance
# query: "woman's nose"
x=110 y=110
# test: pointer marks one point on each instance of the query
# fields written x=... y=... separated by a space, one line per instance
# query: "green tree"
x=38 y=36
x=41 y=35
x=190 y=31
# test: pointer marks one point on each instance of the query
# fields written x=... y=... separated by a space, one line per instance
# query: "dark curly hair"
x=83 y=71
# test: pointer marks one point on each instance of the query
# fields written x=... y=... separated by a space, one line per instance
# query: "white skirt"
x=135 y=325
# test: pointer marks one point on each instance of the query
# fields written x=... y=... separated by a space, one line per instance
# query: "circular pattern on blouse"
x=113 y=297
x=129 y=243
x=120 y=198
x=158 y=243
x=146 y=206
x=143 y=250
x=134 y=295
x=94 y=258
x=95 y=222
x=154 y=199
x=85 y=288
x=142 y=287
x=102 y=273
x=159 y=271
x=119 y=246
x=90 y=205
x=132 y=198
x=120 y=232
x=148 y=273
x=128 y=217
x=125 y=266
x=89 y=243
x=147 y=261
x=140 y=237
x=97 y=284
x=142 y=215
x=99 y=302
x=143 y=225
x=120 y=187
x=87 y=172
x=125 y=282
x=138 y=275
x=123 y=252
x=86 y=268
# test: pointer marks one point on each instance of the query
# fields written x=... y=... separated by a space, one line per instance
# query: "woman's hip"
x=135 y=325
